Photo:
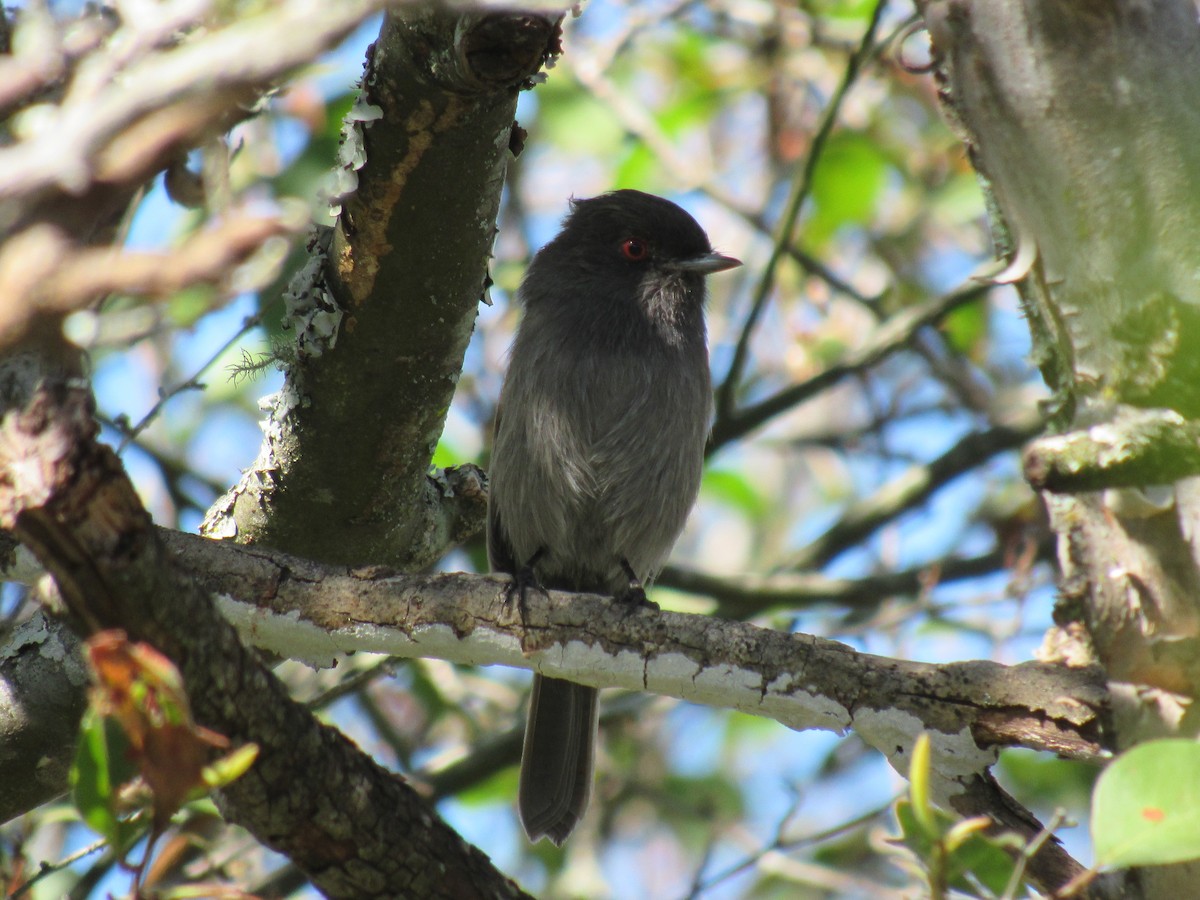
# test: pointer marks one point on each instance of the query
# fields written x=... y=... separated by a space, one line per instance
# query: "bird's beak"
x=707 y=264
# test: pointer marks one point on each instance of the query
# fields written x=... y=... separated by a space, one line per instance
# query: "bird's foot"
x=634 y=595
x=524 y=580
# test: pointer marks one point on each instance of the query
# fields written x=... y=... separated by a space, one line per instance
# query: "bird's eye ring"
x=635 y=249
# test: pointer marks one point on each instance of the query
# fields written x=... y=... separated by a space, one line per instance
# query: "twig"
x=744 y=596
x=191 y=384
x=865 y=516
x=892 y=335
x=639 y=122
x=48 y=869
x=781 y=845
x=800 y=191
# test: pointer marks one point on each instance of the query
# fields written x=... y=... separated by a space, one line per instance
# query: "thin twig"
x=781 y=845
x=744 y=596
x=787 y=226
x=902 y=493
x=640 y=123
x=191 y=384
x=48 y=868
x=893 y=334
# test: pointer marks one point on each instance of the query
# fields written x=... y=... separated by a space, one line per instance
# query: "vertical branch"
x=384 y=314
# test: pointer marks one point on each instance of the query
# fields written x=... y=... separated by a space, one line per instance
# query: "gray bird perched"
x=599 y=444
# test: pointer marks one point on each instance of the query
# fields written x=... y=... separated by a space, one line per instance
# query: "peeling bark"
x=401 y=281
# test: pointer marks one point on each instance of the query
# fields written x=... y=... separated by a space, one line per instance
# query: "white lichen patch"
x=577 y=661
x=794 y=706
x=716 y=681
x=954 y=756
x=36 y=632
x=309 y=308
x=29 y=633
x=285 y=634
x=481 y=647
x=670 y=673
x=219 y=522
x=291 y=635
x=352 y=152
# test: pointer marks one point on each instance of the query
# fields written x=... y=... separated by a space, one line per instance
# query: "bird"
x=598 y=447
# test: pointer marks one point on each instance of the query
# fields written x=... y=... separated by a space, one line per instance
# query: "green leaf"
x=101 y=766
x=847 y=184
x=1146 y=809
x=844 y=9
x=919 y=789
x=230 y=767
x=445 y=454
x=956 y=850
x=575 y=122
x=1035 y=778
x=640 y=169
x=500 y=788
x=92 y=786
x=966 y=327
x=984 y=858
x=735 y=490
x=189 y=305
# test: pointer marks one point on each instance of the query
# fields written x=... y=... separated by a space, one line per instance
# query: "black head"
x=624 y=252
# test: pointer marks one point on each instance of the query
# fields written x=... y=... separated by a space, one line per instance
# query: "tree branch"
x=891 y=335
x=748 y=595
x=726 y=392
x=313 y=612
x=1136 y=448
x=42 y=272
x=384 y=311
x=864 y=516
x=42 y=686
x=66 y=497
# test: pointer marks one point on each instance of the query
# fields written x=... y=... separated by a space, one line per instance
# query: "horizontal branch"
x=865 y=516
x=354 y=828
x=1138 y=447
x=42 y=271
x=314 y=612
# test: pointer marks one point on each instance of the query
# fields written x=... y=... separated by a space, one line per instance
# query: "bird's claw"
x=524 y=579
x=634 y=594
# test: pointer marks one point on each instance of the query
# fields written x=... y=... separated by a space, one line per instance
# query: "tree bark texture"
x=387 y=316
x=355 y=829
x=1084 y=121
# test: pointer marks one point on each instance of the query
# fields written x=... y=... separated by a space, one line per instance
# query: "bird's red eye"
x=635 y=249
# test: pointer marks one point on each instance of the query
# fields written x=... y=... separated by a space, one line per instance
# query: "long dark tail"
x=558 y=758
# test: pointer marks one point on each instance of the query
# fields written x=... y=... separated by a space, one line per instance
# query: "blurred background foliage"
x=807 y=139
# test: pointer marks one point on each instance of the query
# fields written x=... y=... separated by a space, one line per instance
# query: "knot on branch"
x=505 y=50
